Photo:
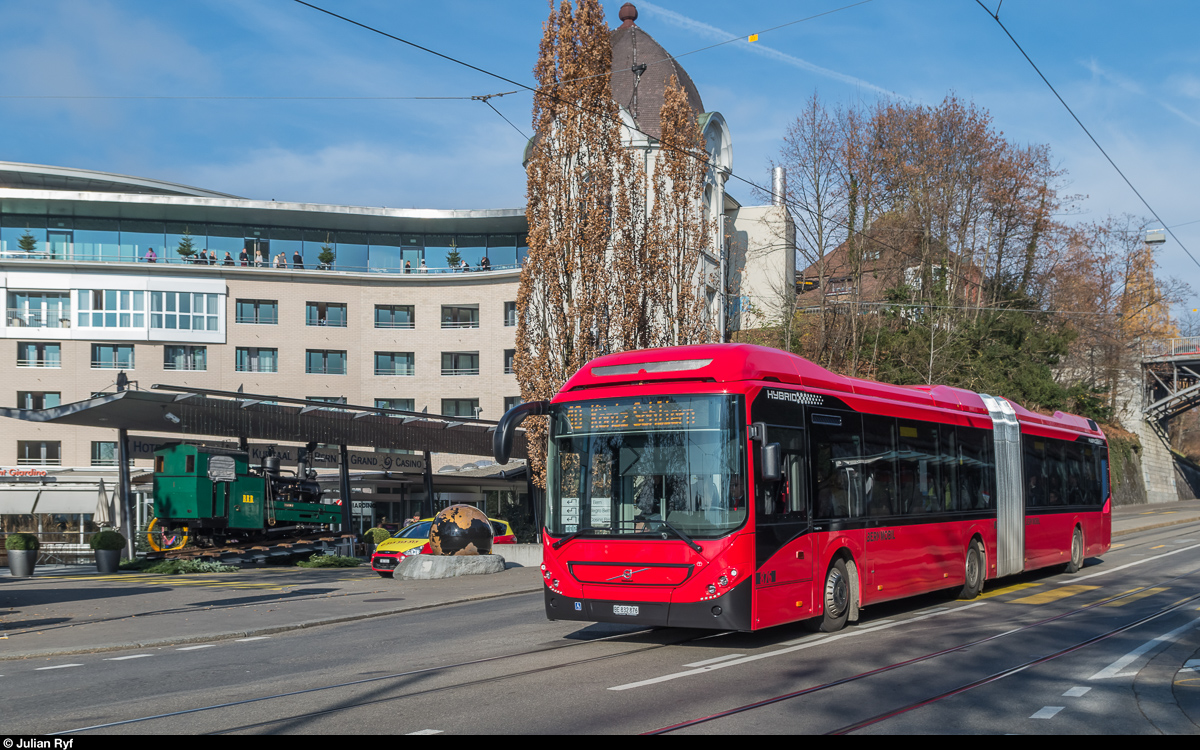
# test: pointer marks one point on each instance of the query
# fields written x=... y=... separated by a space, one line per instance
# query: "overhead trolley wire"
x=791 y=202
x=996 y=17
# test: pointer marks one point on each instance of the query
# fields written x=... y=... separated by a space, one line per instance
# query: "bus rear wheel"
x=1076 y=553
x=836 y=597
x=973 y=578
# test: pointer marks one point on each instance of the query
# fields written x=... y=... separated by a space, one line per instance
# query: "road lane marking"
x=1008 y=589
x=1047 y=712
x=59 y=666
x=1135 y=562
x=255 y=638
x=123 y=658
x=803 y=644
x=1045 y=597
x=427 y=731
x=706 y=662
x=1076 y=692
x=1128 y=596
x=193 y=648
x=1114 y=669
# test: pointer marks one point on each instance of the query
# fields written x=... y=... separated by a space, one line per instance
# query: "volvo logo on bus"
x=628 y=574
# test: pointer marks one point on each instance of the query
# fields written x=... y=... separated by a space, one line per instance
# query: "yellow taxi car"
x=414 y=540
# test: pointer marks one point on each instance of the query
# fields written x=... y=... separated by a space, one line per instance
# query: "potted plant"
x=374 y=537
x=108 y=545
x=22 y=554
x=326 y=256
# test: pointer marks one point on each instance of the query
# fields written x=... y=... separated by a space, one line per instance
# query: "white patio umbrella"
x=104 y=511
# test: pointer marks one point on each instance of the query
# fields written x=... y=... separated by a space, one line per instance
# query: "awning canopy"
x=34 y=499
x=201 y=412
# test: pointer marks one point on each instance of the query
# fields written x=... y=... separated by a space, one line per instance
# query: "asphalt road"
x=1111 y=649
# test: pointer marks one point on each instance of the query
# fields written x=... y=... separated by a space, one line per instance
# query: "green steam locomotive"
x=213 y=496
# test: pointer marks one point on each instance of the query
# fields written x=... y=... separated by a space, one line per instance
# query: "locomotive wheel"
x=163 y=539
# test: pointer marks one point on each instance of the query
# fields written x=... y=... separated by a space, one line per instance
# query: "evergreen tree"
x=326 y=255
x=453 y=258
x=186 y=247
x=28 y=242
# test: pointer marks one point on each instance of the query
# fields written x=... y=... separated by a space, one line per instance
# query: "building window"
x=184 y=311
x=509 y=355
x=325 y=362
x=394 y=316
x=111 y=308
x=38 y=399
x=510 y=314
x=257 y=312
x=328 y=400
x=394 y=363
x=460 y=317
x=39 y=453
x=402 y=404
x=104 y=453
x=325 y=314
x=38 y=354
x=511 y=401
x=460 y=407
x=254 y=359
x=39 y=309
x=112 y=356
x=460 y=363
x=185 y=357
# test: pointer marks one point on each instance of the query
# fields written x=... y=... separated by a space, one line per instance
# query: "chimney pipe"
x=778 y=186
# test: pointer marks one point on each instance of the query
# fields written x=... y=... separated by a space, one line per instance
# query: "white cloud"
x=375 y=174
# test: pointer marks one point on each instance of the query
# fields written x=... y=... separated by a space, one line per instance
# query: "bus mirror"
x=502 y=438
x=770 y=462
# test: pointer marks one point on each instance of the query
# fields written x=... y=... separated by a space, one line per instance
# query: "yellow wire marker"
x=753 y=38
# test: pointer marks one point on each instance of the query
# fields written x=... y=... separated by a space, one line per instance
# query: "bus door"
x=783 y=542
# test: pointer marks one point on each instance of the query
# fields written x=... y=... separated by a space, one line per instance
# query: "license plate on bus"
x=624 y=609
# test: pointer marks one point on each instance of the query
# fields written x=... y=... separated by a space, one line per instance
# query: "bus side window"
x=836 y=449
x=786 y=499
x=879 y=466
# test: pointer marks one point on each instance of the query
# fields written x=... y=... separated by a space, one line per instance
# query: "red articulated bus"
x=738 y=487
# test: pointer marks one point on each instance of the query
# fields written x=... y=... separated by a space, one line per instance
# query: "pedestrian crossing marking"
x=1134 y=597
x=1008 y=589
x=1045 y=597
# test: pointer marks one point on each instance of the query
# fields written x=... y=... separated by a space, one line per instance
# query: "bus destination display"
x=642 y=415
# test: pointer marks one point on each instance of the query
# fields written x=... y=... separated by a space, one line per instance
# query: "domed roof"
x=643 y=95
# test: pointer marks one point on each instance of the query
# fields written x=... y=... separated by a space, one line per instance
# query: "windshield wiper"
x=687 y=539
x=571 y=536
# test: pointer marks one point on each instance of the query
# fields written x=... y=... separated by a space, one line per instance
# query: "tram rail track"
x=943 y=652
x=406 y=674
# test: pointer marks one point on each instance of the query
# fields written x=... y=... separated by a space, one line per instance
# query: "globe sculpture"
x=460 y=530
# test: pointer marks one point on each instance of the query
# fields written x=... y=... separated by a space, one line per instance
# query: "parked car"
x=414 y=540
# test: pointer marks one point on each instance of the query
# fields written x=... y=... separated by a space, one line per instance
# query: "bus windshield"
x=626 y=466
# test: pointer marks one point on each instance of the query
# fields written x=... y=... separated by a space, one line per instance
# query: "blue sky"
x=1130 y=71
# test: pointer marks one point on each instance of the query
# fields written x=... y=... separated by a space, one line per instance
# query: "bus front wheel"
x=836 y=597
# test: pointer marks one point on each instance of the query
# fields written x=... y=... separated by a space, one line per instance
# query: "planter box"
x=21 y=562
x=108 y=560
